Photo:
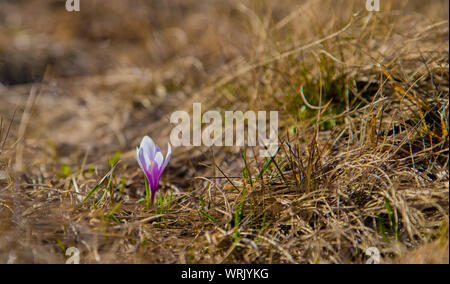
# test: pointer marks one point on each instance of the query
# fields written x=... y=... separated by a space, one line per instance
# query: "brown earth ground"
x=363 y=103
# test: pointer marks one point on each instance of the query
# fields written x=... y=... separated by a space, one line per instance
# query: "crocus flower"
x=152 y=162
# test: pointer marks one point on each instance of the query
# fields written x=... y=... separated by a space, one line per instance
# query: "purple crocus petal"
x=143 y=162
x=157 y=149
x=152 y=162
x=150 y=176
x=156 y=176
x=140 y=158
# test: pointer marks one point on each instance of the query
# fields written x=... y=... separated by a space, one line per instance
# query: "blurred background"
x=41 y=39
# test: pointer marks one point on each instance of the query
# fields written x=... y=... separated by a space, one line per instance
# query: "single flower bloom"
x=152 y=162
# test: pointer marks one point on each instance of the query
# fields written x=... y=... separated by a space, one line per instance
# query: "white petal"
x=137 y=157
x=159 y=159
x=168 y=155
x=169 y=151
x=149 y=147
x=146 y=141
x=142 y=160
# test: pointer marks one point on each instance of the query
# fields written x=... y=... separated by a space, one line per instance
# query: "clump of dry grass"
x=379 y=176
x=363 y=158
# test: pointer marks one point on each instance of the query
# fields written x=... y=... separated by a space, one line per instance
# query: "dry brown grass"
x=370 y=169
